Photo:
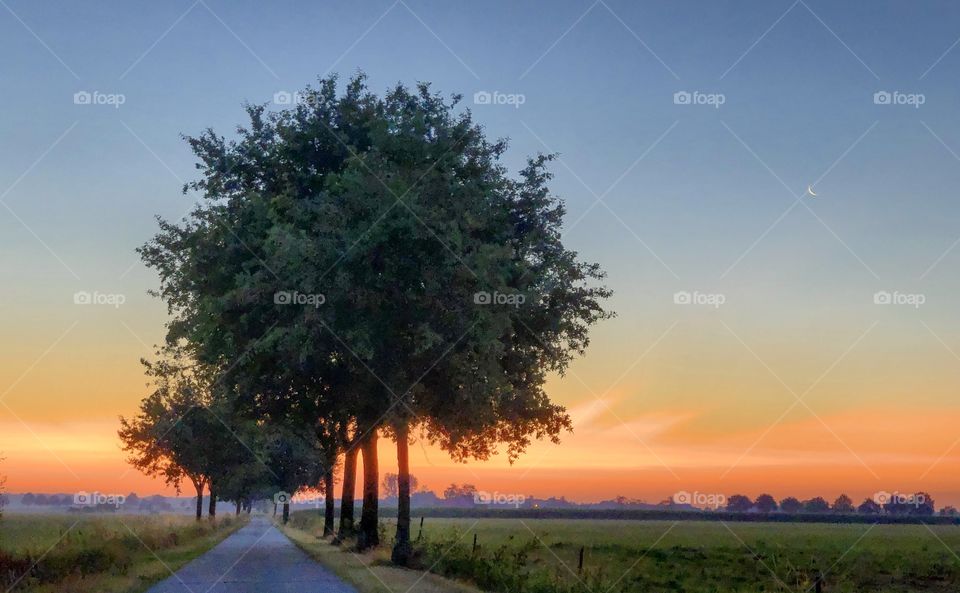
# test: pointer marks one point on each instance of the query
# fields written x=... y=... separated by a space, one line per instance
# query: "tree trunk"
x=212 y=507
x=401 y=548
x=199 y=486
x=347 y=492
x=328 y=490
x=286 y=512
x=368 y=536
x=238 y=507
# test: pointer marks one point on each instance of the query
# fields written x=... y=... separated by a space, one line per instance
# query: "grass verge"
x=369 y=572
x=101 y=554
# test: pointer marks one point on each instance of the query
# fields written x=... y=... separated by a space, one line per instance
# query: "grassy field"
x=541 y=555
x=103 y=554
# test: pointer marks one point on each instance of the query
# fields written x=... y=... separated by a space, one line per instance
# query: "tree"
x=243 y=481
x=816 y=504
x=843 y=504
x=347 y=504
x=429 y=304
x=3 y=493
x=765 y=503
x=175 y=436
x=389 y=487
x=739 y=503
x=924 y=504
x=263 y=215
x=791 y=504
x=919 y=503
x=305 y=204
x=147 y=437
x=458 y=495
x=869 y=507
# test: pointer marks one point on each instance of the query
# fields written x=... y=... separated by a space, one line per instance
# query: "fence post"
x=580 y=562
x=419 y=535
x=474 y=543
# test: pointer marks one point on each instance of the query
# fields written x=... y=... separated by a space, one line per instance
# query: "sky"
x=766 y=339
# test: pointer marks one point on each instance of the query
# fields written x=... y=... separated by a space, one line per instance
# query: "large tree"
x=843 y=504
x=174 y=435
x=372 y=256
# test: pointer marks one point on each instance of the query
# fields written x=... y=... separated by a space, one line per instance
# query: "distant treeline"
x=155 y=503
x=678 y=515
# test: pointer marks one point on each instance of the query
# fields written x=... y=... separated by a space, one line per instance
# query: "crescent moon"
x=811 y=192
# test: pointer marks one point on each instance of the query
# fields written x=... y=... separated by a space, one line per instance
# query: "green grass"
x=541 y=555
x=369 y=572
x=101 y=553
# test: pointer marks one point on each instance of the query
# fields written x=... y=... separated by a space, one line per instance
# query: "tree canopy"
x=363 y=264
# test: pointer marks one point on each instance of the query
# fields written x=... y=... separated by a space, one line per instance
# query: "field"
x=542 y=555
x=106 y=553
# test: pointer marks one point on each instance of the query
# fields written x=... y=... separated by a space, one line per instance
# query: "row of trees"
x=130 y=501
x=359 y=266
x=920 y=503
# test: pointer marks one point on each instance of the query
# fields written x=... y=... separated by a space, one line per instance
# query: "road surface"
x=254 y=559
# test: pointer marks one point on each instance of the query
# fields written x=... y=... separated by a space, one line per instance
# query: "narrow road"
x=255 y=559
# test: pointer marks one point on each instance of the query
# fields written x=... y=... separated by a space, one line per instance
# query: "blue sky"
x=598 y=80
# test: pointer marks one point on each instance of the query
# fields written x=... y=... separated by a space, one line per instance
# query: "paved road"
x=255 y=559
